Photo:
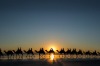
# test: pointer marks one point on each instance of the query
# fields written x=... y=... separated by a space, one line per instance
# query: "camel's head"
x=35 y=50
x=4 y=50
x=56 y=50
x=24 y=50
x=13 y=50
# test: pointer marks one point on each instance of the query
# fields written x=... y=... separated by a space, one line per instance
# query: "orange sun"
x=52 y=45
x=53 y=48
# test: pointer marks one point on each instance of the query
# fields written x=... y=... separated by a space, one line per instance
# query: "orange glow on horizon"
x=52 y=45
x=54 y=48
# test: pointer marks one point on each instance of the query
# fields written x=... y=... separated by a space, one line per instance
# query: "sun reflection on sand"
x=52 y=57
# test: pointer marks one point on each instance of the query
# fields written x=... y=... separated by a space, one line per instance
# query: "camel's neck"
x=57 y=51
x=47 y=51
x=25 y=51
x=14 y=51
x=36 y=51
x=5 y=52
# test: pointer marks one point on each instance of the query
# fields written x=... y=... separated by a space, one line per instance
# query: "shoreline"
x=48 y=62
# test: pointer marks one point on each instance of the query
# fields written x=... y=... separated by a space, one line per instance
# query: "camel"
x=94 y=53
x=61 y=52
x=1 y=54
x=74 y=52
x=98 y=53
x=68 y=52
x=41 y=52
x=9 y=53
x=29 y=52
x=87 y=53
x=50 y=51
x=18 y=53
x=79 y=53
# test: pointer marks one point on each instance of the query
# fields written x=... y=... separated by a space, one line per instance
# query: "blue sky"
x=68 y=24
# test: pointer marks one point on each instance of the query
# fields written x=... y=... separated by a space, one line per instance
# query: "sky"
x=50 y=23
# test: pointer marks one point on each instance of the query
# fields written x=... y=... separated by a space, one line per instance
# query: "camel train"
x=18 y=54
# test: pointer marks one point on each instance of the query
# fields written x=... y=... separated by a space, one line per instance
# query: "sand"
x=48 y=62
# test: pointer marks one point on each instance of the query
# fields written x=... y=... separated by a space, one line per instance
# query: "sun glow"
x=53 y=48
x=53 y=45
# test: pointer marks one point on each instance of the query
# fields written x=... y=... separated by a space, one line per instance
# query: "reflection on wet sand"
x=52 y=57
x=52 y=60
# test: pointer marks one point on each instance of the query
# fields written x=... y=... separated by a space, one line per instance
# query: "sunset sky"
x=50 y=23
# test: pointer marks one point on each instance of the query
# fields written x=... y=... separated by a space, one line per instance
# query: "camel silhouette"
x=87 y=53
x=61 y=52
x=94 y=53
x=18 y=53
x=50 y=51
x=74 y=52
x=68 y=52
x=41 y=52
x=71 y=53
x=29 y=53
x=1 y=54
x=9 y=54
x=98 y=53
x=79 y=52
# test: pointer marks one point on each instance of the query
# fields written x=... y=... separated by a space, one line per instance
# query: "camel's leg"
x=13 y=56
x=39 y=56
x=33 y=55
x=62 y=55
x=27 y=56
x=59 y=55
x=8 y=56
x=22 y=56
x=44 y=55
x=16 y=56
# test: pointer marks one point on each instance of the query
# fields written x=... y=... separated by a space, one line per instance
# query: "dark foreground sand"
x=46 y=62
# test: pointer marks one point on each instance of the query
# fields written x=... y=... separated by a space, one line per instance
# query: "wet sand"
x=48 y=62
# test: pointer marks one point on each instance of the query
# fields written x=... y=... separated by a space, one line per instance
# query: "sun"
x=54 y=48
x=51 y=45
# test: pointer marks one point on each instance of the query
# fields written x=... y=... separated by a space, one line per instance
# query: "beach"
x=49 y=62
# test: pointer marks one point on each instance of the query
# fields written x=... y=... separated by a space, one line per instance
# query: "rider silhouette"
x=51 y=49
x=42 y=49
